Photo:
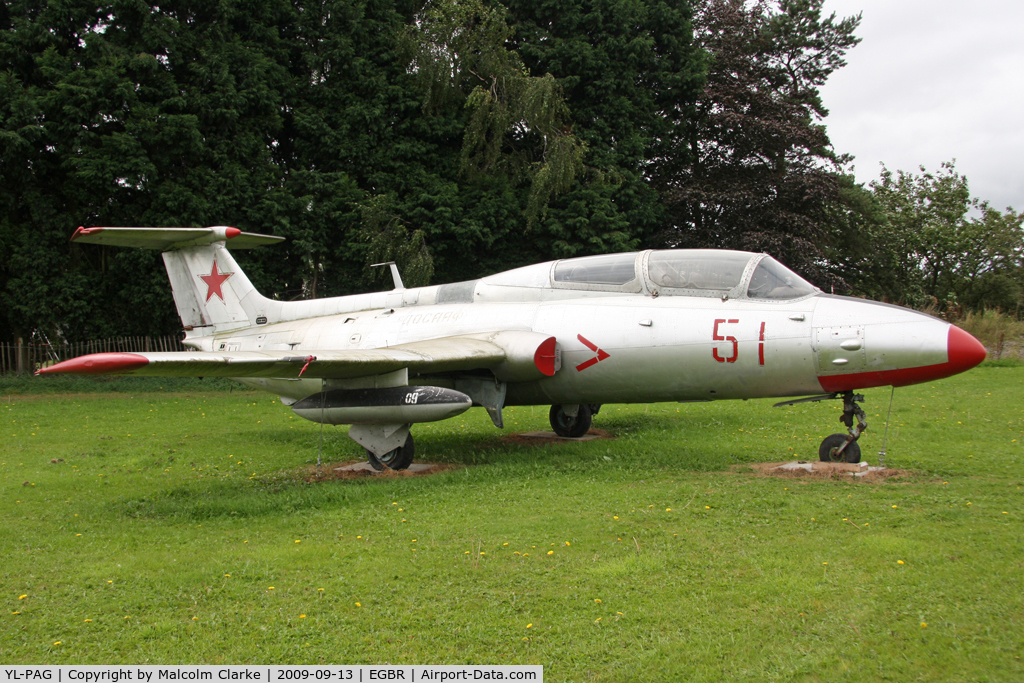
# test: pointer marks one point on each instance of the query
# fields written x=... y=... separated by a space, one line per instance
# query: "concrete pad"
x=364 y=466
x=552 y=436
x=857 y=469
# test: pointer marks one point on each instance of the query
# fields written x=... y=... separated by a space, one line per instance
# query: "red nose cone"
x=232 y=232
x=964 y=350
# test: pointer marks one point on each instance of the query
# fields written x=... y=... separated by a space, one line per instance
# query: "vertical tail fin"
x=209 y=287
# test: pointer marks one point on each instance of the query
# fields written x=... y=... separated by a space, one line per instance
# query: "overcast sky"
x=934 y=80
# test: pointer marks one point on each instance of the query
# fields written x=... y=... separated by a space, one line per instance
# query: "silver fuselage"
x=649 y=345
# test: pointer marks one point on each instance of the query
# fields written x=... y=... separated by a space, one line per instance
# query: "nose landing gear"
x=844 y=447
x=841 y=447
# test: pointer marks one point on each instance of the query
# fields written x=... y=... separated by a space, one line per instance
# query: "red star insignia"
x=214 y=281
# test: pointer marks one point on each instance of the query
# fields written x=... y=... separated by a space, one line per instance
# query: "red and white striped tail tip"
x=97 y=364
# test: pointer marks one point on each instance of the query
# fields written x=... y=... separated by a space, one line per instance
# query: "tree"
x=760 y=172
x=631 y=75
x=929 y=248
x=320 y=121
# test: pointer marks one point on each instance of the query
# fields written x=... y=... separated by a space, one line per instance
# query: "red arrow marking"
x=601 y=355
x=214 y=281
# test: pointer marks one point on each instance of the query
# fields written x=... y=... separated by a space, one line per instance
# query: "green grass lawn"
x=179 y=527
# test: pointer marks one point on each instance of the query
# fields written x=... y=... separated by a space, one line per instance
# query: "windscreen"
x=772 y=280
x=697 y=269
x=607 y=269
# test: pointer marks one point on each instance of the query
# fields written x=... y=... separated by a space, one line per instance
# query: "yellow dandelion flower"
x=924 y=625
x=504 y=543
x=529 y=626
x=551 y=552
x=320 y=590
x=87 y=620
x=57 y=642
x=597 y=600
x=668 y=509
x=302 y=616
x=22 y=597
x=567 y=543
x=824 y=563
x=195 y=618
x=227 y=576
x=482 y=552
x=359 y=604
x=614 y=517
x=270 y=588
x=597 y=620
x=619 y=613
x=467 y=552
x=895 y=506
x=297 y=541
x=516 y=552
x=899 y=561
x=707 y=507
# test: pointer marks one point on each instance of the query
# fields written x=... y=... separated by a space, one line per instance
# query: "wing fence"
x=27 y=357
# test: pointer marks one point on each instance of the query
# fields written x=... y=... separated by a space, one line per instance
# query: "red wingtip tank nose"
x=964 y=350
x=97 y=364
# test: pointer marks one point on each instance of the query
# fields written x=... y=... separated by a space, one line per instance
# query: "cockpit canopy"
x=683 y=272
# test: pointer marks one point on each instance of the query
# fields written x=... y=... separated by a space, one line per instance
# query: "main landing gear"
x=396 y=459
x=572 y=421
x=841 y=447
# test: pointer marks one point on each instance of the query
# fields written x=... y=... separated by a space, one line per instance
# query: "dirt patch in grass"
x=334 y=471
x=523 y=440
x=772 y=469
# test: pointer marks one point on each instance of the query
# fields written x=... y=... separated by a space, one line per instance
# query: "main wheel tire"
x=398 y=459
x=827 y=450
x=569 y=426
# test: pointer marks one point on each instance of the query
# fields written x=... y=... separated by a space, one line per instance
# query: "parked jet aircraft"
x=649 y=326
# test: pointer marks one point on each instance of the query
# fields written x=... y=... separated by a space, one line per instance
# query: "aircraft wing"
x=506 y=352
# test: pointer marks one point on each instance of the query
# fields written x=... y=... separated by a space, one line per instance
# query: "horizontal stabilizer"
x=167 y=239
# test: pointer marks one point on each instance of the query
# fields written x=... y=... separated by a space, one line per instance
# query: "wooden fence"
x=29 y=357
